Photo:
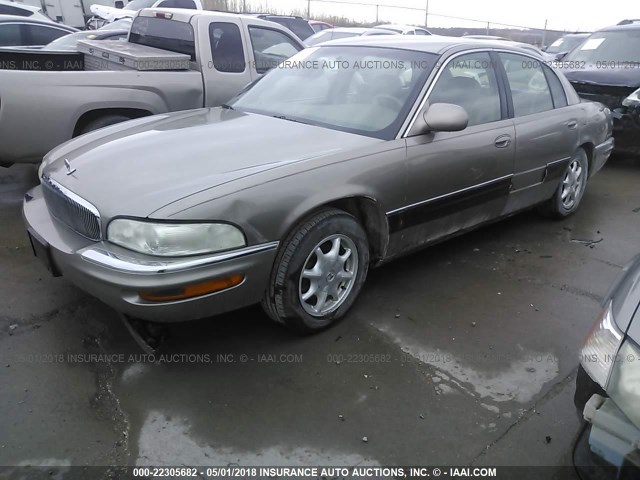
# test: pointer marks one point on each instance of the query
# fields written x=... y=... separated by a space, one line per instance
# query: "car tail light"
x=600 y=349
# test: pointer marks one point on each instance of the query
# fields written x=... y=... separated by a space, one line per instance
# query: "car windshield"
x=565 y=44
x=362 y=90
x=609 y=46
x=139 y=4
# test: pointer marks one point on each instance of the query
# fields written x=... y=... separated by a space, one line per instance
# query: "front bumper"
x=607 y=448
x=626 y=129
x=116 y=275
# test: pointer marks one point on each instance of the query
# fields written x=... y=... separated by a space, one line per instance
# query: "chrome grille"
x=70 y=209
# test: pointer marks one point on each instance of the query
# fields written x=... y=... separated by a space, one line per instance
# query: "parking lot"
x=464 y=354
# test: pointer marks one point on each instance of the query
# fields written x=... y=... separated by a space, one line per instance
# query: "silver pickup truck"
x=41 y=109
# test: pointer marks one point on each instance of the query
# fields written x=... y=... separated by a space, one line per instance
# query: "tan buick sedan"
x=344 y=157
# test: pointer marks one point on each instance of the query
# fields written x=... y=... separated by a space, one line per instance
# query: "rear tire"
x=318 y=272
x=568 y=196
x=102 y=122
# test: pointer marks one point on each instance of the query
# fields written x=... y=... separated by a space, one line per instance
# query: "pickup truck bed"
x=72 y=94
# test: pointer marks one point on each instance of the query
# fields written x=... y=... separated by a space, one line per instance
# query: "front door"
x=458 y=179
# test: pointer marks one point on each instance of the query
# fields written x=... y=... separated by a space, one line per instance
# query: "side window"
x=226 y=47
x=10 y=35
x=178 y=4
x=557 y=90
x=270 y=47
x=421 y=32
x=41 y=35
x=9 y=10
x=470 y=82
x=529 y=87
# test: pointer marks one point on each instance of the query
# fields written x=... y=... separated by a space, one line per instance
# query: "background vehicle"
x=106 y=14
x=399 y=29
x=218 y=45
x=11 y=8
x=318 y=25
x=608 y=381
x=69 y=43
x=564 y=45
x=530 y=48
x=297 y=25
x=606 y=68
x=22 y=32
x=344 y=167
x=486 y=37
x=341 y=32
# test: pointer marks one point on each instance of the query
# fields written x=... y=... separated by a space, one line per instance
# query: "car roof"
x=628 y=26
x=347 y=29
x=430 y=44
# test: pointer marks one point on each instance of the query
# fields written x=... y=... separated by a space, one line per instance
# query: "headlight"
x=174 y=239
x=632 y=100
x=599 y=351
x=624 y=385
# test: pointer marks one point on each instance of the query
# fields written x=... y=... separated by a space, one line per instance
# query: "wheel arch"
x=95 y=114
x=368 y=212
x=589 y=149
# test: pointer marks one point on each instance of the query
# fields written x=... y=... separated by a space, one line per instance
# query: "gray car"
x=346 y=156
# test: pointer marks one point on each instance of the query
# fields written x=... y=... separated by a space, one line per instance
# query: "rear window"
x=9 y=10
x=164 y=34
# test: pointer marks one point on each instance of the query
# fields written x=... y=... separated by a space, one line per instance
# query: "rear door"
x=459 y=179
x=547 y=129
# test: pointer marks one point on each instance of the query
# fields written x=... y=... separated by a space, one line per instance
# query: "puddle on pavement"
x=165 y=440
x=518 y=380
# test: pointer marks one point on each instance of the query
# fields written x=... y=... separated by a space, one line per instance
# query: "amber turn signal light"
x=190 y=291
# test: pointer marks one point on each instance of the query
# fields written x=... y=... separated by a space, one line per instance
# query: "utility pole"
x=377 y=13
x=426 y=15
x=544 y=35
x=308 y=8
x=488 y=28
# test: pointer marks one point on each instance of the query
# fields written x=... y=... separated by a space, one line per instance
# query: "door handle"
x=572 y=125
x=503 y=141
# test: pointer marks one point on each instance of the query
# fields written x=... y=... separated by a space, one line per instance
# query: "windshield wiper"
x=227 y=106
x=284 y=117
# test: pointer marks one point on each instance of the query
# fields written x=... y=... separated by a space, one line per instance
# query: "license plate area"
x=42 y=251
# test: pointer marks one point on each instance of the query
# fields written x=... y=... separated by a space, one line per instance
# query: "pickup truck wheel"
x=318 y=273
x=569 y=194
x=102 y=122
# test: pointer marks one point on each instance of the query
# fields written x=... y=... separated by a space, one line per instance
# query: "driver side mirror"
x=445 y=117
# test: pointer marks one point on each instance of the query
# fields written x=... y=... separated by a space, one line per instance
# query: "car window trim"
x=508 y=85
x=549 y=71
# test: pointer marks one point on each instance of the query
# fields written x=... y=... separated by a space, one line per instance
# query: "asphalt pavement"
x=462 y=354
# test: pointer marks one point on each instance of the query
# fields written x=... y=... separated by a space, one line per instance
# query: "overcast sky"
x=568 y=15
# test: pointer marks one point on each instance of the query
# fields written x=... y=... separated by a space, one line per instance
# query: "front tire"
x=318 y=272
x=568 y=196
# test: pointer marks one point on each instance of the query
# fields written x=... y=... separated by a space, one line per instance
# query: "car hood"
x=614 y=77
x=137 y=167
